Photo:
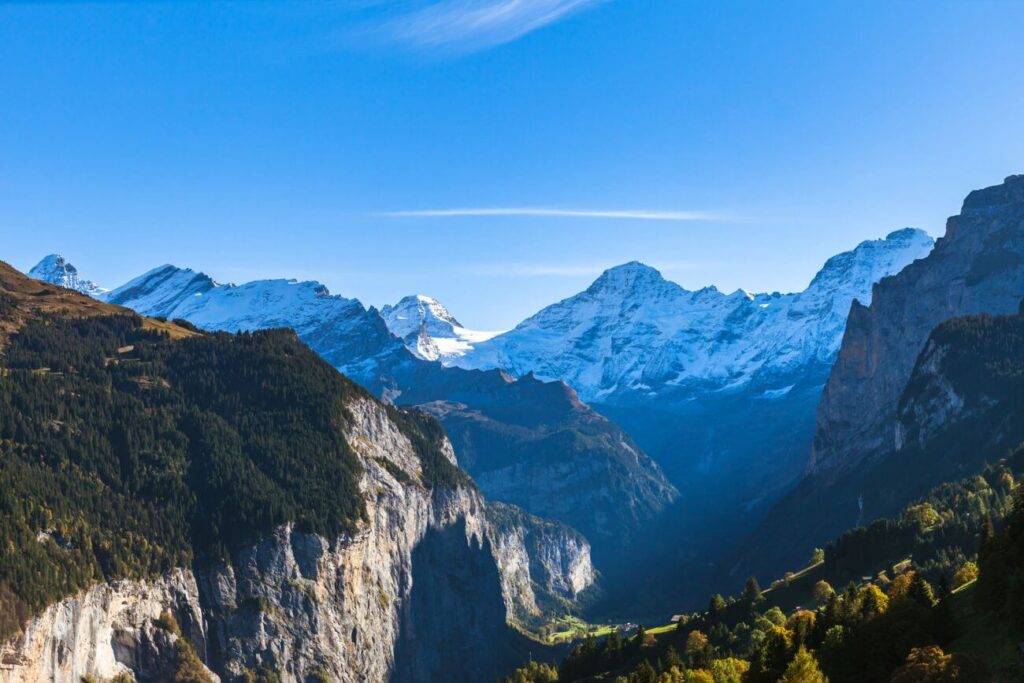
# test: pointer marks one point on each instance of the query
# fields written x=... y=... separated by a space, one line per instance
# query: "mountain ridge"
x=633 y=335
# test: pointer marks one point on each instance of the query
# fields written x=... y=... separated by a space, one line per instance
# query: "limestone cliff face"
x=544 y=563
x=978 y=267
x=423 y=591
x=106 y=631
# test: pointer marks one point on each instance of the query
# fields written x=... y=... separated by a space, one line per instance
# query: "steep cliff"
x=962 y=407
x=427 y=564
x=550 y=560
x=977 y=267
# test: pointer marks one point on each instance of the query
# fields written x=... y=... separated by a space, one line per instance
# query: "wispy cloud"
x=568 y=269
x=645 y=215
x=473 y=24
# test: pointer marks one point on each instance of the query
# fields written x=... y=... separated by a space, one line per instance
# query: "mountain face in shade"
x=428 y=330
x=57 y=271
x=633 y=336
x=978 y=267
x=962 y=406
x=535 y=444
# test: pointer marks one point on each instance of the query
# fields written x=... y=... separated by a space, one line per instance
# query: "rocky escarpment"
x=962 y=407
x=546 y=563
x=426 y=570
x=108 y=630
x=978 y=267
x=966 y=390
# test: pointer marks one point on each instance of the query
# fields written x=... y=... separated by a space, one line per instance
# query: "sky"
x=496 y=154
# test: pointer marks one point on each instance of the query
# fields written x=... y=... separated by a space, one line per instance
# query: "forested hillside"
x=936 y=594
x=124 y=453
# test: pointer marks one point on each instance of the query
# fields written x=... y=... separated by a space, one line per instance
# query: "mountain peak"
x=56 y=270
x=415 y=309
x=871 y=260
x=1011 y=191
x=628 y=277
x=428 y=329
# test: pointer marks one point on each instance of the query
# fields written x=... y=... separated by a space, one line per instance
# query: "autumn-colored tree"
x=729 y=670
x=699 y=676
x=803 y=669
x=924 y=515
x=932 y=665
x=873 y=602
x=696 y=642
x=964 y=575
x=801 y=623
x=822 y=592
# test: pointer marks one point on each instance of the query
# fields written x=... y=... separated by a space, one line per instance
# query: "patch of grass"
x=659 y=630
x=570 y=628
x=303 y=587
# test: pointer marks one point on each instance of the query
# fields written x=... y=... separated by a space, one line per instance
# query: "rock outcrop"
x=424 y=591
x=978 y=267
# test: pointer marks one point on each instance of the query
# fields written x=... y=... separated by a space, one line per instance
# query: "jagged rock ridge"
x=975 y=268
x=632 y=335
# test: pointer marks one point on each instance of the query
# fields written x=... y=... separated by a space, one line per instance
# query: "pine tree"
x=752 y=591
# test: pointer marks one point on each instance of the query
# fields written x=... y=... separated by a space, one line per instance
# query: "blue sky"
x=386 y=148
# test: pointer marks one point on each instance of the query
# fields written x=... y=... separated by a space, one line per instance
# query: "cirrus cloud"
x=469 y=24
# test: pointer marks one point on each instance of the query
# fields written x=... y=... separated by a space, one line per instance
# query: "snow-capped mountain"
x=429 y=330
x=632 y=334
x=57 y=271
x=350 y=337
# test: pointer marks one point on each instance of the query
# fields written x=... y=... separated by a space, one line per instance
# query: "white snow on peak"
x=56 y=270
x=162 y=291
x=340 y=329
x=632 y=331
x=428 y=330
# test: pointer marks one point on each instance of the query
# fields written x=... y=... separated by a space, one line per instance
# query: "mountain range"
x=624 y=487
x=719 y=388
x=634 y=336
x=231 y=503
